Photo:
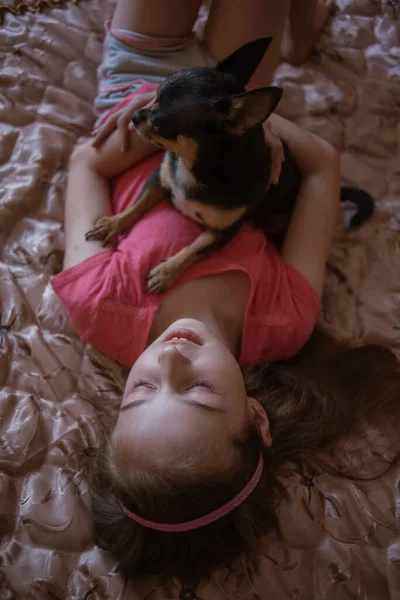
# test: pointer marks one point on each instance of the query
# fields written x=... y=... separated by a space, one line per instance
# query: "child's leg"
x=232 y=23
x=297 y=24
x=306 y=19
x=158 y=18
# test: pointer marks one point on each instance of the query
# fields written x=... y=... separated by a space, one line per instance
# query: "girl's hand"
x=121 y=120
x=277 y=154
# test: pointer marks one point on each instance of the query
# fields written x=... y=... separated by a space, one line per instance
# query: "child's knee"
x=80 y=153
x=85 y=155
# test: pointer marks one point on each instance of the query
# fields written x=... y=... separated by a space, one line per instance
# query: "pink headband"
x=210 y=517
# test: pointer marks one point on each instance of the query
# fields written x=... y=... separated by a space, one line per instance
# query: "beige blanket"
x=340 y=527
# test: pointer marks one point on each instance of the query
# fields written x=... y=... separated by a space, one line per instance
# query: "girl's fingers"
x=123 y=127
x=275 y=167
x=101 y=136
x=104 y=131
x=125 y=119
x=143 y=100
x=121 y=120
x=277 y=152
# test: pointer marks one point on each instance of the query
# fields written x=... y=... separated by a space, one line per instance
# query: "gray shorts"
x=131 y=59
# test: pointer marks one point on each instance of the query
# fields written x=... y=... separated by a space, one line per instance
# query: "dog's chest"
x=184 y=192
x=177 y=180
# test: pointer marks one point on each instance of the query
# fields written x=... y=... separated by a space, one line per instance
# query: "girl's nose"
x=171 y=357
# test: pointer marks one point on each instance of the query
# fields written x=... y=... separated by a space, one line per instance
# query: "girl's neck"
x=218 y=301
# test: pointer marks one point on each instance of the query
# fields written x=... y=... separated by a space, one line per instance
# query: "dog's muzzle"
x=143 y=126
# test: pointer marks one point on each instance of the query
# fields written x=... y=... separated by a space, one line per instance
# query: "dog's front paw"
x=161 y=278
x=105 y=229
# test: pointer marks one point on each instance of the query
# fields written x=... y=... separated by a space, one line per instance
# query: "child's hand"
x=277 y=154
x=121 y=120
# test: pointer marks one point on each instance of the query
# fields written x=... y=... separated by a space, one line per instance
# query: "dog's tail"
x=363 y=201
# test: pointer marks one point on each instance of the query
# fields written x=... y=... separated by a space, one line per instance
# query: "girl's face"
x=186 y=392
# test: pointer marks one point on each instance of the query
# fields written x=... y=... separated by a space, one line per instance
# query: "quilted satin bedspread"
x=340 y=525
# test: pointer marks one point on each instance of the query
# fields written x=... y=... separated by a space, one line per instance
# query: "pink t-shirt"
x=105 y=295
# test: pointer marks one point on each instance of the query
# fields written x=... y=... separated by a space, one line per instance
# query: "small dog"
x=217 y=165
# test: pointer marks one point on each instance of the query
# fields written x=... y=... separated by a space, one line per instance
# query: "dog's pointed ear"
x=252 y=108
x=245 y=60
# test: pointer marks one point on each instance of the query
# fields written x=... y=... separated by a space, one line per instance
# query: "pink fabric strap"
x=206 y=519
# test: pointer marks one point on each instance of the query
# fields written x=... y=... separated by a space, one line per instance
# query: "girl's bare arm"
x=313 y=223
x=88 y=195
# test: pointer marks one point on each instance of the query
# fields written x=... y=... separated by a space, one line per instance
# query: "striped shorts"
x=131 y=59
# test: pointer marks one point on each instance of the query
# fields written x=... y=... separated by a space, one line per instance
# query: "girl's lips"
x=185 y=334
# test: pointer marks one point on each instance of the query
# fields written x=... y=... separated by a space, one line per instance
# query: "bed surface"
x=340 y=525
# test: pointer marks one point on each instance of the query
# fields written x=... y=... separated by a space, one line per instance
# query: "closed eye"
x=199 y=383
x=202 y=383
x=142 y=383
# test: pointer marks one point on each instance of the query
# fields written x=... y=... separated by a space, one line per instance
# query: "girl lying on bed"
x=188 y=477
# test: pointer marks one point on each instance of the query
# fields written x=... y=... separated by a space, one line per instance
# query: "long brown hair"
x=310 y=403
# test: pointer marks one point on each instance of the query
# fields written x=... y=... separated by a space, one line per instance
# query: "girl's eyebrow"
x=186 y=400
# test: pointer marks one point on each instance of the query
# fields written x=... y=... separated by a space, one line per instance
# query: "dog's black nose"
x=136 y=118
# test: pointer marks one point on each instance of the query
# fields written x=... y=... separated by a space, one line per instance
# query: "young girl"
x=186 y=479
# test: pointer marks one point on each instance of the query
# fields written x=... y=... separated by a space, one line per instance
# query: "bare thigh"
x=161 y=18
x=232 y=23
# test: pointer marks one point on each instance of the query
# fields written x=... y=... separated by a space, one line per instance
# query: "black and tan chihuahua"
x=217 y=165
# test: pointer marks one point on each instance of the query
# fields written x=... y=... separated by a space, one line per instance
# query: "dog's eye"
x=163 y=128
x=155 y=121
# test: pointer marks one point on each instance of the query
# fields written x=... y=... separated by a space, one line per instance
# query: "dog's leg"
x=106 y=228
x=167 y=272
